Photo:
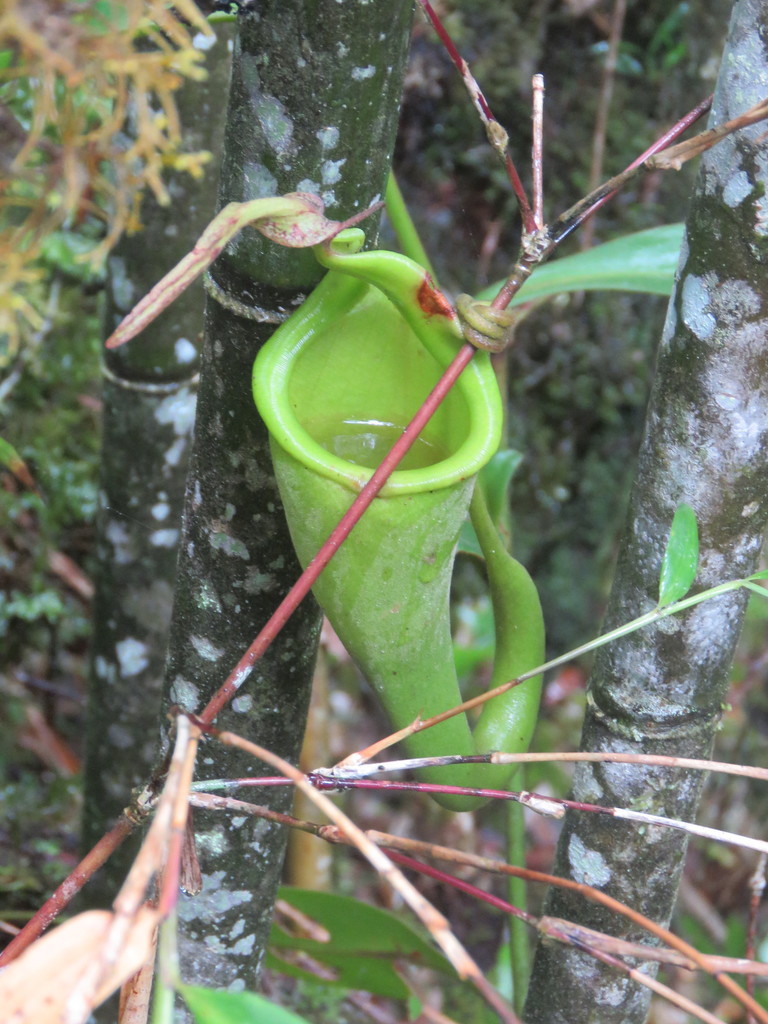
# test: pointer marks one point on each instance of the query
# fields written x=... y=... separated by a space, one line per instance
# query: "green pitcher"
x=336 y=386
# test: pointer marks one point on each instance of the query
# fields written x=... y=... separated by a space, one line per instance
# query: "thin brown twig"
x=548 y=925
x=603 y=109
x=537 y=151
x=659 y=932
x=576 y=938
x=431 y=918
x=68 y=889
x=495 y=133
x=152 y=858
x=756 y=891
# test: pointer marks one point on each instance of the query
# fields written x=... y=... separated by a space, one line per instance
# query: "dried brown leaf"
x=35 y=989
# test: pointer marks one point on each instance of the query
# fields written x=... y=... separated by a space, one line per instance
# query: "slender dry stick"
x=756 y=890
x=537 y=151
x=555 y=807
x=486 y=864
x=497 y=137
x=152 y=858
x=350 y=768
x=68 y=889
x=607 y=943
x=338 y=535
x=432 y=919
x=603 y=108
x=565 y=936
x=575 y=216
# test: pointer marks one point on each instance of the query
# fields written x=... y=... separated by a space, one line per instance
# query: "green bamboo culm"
x=335 y=386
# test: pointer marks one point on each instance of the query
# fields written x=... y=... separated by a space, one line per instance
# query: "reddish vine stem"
x=585 y=208
x=68 y=889
x=338 y=535
x=578 y=942
x=481 y=104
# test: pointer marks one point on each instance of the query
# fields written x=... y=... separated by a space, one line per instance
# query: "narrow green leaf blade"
x=681 y=558
x=216 y=1006
x=644 y=261
x=363 y=946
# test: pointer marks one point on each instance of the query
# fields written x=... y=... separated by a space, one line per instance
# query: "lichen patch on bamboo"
x=132 y=656
x=695 y=306
x=206 y=649
x=588 y=866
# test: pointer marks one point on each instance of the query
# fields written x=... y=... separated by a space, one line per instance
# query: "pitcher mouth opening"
x=338 y=396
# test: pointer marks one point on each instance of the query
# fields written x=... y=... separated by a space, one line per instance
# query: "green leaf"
x=362 y=947
x=678 y=567
x=641 y=262
x=216 y=1006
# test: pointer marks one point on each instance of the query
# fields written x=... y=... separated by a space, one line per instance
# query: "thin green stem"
x=167 y=972
x=519 y=944
x=403 y=226
x=645 y=620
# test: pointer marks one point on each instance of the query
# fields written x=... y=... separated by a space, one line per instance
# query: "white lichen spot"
x=328 y=196
x=277 y=125
x=307 y=185
x=750 y=509
x=237 y=928
x=205 y=649
x=257 y=582
x=132 y=656
x=359 y=74
x=587 y=866
x=229 y=545
x=342 y=49
x=229 y=512
x=119 y=736
x=213 y=899
x=669 y=625
x=245 y=945
x=118 y=536
x=242 y=704
x=330 y=171
x=123 y=289
x=261 y=181
x=174 y=453
x=184 y=693
x=587 y=785
x=214 y=943
x=184 y=350
x=214 y=842
x=164 y=538
x=238 y=821
x=207 y=597
x=328 y=137
x=177 y=410
x=727 y=401
x=160 y=511
x=737 y=188
x=612 y=994
x=695 y=303
x=238 y=985
x=104 y=669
